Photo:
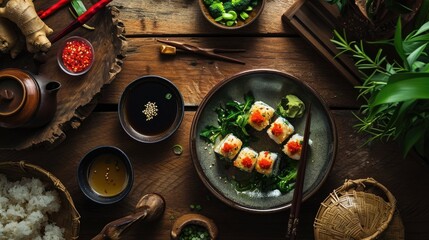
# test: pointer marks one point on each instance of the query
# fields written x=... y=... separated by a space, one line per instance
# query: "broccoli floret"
x=253 y=3
x=216 y=9
x=240 y=5
x=228 y=6
x=208 y=2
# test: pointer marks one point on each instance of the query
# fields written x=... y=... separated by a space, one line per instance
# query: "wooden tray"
x=315 y=22
x=77 y=96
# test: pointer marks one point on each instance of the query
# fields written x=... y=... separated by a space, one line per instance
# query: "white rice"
x=24 y=209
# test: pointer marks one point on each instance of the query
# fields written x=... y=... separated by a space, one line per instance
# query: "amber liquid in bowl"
x=107 y=175
x=151 y=108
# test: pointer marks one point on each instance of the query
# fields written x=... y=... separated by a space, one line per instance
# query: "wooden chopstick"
x=297 y=193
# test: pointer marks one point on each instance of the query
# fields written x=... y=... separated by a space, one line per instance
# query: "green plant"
x=396 y=92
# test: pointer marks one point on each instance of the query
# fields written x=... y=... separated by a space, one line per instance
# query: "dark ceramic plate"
x=268 y=86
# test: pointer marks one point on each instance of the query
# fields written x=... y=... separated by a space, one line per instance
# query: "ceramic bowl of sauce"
x=151 y=109
x=105 y=175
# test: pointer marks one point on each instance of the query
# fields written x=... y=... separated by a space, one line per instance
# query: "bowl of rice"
x=34 y=204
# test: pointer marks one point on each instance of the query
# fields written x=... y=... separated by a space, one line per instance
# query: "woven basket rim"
x=352 y=186
x=24 y=167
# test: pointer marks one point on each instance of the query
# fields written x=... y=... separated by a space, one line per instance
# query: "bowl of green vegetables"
x=231 y=14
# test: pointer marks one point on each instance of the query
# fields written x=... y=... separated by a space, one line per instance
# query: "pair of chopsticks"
x=81 y=20
x=209 y=52
x=299 y=185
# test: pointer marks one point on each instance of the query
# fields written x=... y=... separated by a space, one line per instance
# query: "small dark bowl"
x=151 y=109
x=253 y=15
x=84 y=172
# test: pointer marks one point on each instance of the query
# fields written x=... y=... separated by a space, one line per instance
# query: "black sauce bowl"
x=139 y=101
x=84 y=168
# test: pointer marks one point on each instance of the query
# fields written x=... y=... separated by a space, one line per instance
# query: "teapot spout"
x=52 y=87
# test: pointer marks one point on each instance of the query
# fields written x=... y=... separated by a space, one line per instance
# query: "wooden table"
x=270 y=44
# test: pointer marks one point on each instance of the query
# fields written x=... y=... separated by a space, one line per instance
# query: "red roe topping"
x=227 y=147
x=277 y=129
x=247 y=162
x=294 y=147
x=265 y=163
x=257 y=117
x=76 y=55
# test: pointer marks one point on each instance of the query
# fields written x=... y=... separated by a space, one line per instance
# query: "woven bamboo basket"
x=68 y=217
x=359 y=209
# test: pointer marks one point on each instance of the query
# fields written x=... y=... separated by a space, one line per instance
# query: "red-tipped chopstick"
x=80 y=20
x=45 y=13
x=297 y=193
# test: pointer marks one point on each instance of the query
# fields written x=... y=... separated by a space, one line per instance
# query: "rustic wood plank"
x=195 y=75
x=75 y=100
x=157 y=169
x=185 y=17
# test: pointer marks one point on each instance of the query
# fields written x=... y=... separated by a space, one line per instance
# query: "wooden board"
x=77 y=96
x=315 y=22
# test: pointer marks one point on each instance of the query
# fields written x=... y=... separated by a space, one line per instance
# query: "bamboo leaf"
x=399 y=43
x=416 y=54
x=419 y=38
x=424 y=27
x=412 y=137
x=400 y=113
x=403 y=87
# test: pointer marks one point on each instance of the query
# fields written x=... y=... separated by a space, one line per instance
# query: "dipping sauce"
x=151 y=108
x=107 y=175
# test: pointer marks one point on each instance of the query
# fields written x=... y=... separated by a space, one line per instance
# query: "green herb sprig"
x=232 y=118
x=283 y=181
x=396 y=92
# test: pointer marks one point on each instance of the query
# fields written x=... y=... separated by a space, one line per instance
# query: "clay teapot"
x=26 y=100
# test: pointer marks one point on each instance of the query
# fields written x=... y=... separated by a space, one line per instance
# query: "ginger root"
x=24 y=15
x=10 y=40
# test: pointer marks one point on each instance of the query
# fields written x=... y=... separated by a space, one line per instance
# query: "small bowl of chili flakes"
x=76 y=56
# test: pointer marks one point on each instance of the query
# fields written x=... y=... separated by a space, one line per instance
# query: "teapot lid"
x=12 y=95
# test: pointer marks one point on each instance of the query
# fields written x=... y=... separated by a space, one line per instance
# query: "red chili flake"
x=77 y=56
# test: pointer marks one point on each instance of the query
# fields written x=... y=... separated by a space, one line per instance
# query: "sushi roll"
x=229 y=146
x=265 y=162
x=260 y=115
x=293 y=147
x=280 y=129
x=246 y=159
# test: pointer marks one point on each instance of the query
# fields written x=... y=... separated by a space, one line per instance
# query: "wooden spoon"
x=150 y=207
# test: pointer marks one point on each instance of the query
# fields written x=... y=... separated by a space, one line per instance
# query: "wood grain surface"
x=269 y=44
x=75 y=99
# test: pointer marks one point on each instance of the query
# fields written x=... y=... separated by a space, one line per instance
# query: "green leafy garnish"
x=396 y=92
x=232 y=118
x=283 y=181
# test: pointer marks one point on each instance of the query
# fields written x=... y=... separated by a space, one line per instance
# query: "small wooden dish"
x=253 y=15
x=195 y=219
